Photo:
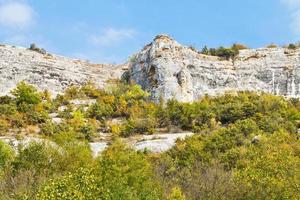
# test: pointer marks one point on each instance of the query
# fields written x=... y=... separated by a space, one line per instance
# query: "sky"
x=110 y=31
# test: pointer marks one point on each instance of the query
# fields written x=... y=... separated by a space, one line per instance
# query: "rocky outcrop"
x=169 y=70
x=50 y=72
x=164 y=68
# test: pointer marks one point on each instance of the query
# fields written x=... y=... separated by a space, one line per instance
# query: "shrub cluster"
x=246 y=146
x=226 y=53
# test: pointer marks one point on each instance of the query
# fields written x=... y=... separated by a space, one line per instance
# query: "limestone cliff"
x=164 y=68
x=50 y=72
x=169 y=70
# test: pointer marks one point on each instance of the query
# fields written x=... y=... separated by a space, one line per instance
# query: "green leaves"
x=271 y=170
x=26 y=94
x=120 y=173
x=6 y=155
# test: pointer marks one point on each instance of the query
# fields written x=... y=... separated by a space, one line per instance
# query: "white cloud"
x=292 y=4
x=111 y=36
x=295 y=24
x=294 y=7
x=16 y=14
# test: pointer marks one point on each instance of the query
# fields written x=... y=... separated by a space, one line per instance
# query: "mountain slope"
x=50 y=72
x=164 y=68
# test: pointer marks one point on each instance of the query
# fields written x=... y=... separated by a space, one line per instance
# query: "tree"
x=26 y=93
x=120 y=173
x=126 y=174
x=205 y=50
x=26 y=96
x=270 y=169
x=73 y=186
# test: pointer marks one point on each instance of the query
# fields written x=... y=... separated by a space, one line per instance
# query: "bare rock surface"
x=169 y=70
x=164 y=68
x=159 y=142
x=50 y=72
x=156 y=143
x=98 y=147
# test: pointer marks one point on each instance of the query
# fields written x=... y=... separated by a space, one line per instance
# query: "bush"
x=176 y=194
x=271 y=170
x=271 y=46
x=120 y=173
x=6 y=156
x=138 y=126
x=79 y=185
x=126 y=174
x=73 y=92
x=49 y=128
x=90 y=90
x=26 y=94
x=238 y=46
x=292 y=46
x=226 y=53
x=100 y=111
x=4 y=126
x=88 y=131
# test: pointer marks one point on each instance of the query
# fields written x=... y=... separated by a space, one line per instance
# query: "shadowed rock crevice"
x=152 y=77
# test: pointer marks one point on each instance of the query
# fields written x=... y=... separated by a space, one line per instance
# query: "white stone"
x=57 y=120
x=169 y=70
x=98 y=147
x=160 y=142
x=51 y=72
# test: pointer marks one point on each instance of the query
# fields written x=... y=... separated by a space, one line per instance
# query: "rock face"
x=51 y=72
x=164 y=68
x=169 y=70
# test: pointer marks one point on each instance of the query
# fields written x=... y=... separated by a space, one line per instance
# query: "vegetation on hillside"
x=222 y=52
x=246 y=146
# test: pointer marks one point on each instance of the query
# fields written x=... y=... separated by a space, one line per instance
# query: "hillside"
x=115 y=143
x=164 y=68
x=154 y=134
x=50 y=72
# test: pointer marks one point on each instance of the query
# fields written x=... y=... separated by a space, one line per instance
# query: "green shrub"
x=126 y=174
x=226 y=53
x=26 y=94
x=79 y=185
x=176 y=194
x=6 y=156
x=271 y=170
x=292 y=46
x=120 y=173
x=138 y=126
x=100 y=111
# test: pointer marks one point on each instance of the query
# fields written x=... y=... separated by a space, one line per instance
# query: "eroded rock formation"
x=164 y=68
x=50 y=72
x=169 y=70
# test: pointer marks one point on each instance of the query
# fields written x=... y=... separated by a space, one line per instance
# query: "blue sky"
x=109 y=31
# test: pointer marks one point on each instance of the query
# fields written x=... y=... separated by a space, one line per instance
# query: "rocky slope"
x=169 y=70
x=165 y=68
x=51 y=72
